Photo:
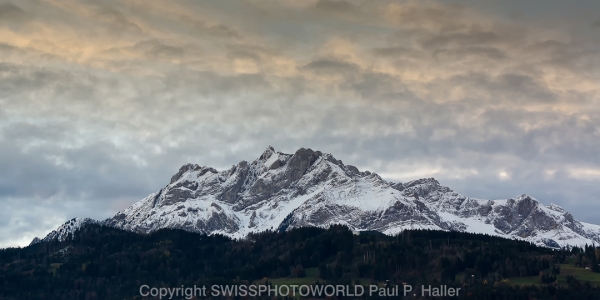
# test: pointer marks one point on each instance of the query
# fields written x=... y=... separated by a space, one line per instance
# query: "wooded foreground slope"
x=100 y=262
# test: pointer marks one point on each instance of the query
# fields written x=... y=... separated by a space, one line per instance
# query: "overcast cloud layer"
x=102 y=101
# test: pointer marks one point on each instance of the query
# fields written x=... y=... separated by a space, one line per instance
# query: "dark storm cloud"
x=243 y=54
x=18 y=80
x=549 y=46
x=202 y=28
x=334 y=6
x=467 y=52
x=331 y=66
x=6 y=47
x=156 y=48
x=507 y=88
x=13 y=13
x=394 y=51
x=100 y=103
x=464 y=38
x=115 y=19
x=379 y=86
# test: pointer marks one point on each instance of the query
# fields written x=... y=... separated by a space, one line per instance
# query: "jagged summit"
x=267 y=153
x=311 y=188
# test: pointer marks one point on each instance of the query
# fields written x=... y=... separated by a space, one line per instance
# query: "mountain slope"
x=62 y=232
x=313 y=188
x=310 y=188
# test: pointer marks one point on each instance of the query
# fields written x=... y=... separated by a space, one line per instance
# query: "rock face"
x=310 y=188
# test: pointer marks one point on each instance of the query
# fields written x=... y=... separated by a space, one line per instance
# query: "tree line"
x=99 y=262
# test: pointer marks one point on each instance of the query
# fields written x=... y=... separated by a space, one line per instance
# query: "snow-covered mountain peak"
x=267 y=153
x=311 y=188
x=423 y=181
x=185 y=168
x=527 y=198
x=428 y=189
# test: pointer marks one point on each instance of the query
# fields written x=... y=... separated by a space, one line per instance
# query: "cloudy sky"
x=101 y=102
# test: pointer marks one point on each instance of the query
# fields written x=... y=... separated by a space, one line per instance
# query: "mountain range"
x=279 y=191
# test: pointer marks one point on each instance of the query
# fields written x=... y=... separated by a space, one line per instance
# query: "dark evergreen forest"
x=105 y=263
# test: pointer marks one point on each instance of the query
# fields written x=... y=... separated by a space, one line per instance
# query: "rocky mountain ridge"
x=310 y=188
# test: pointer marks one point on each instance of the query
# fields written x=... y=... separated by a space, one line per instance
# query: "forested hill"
x=106 y=263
